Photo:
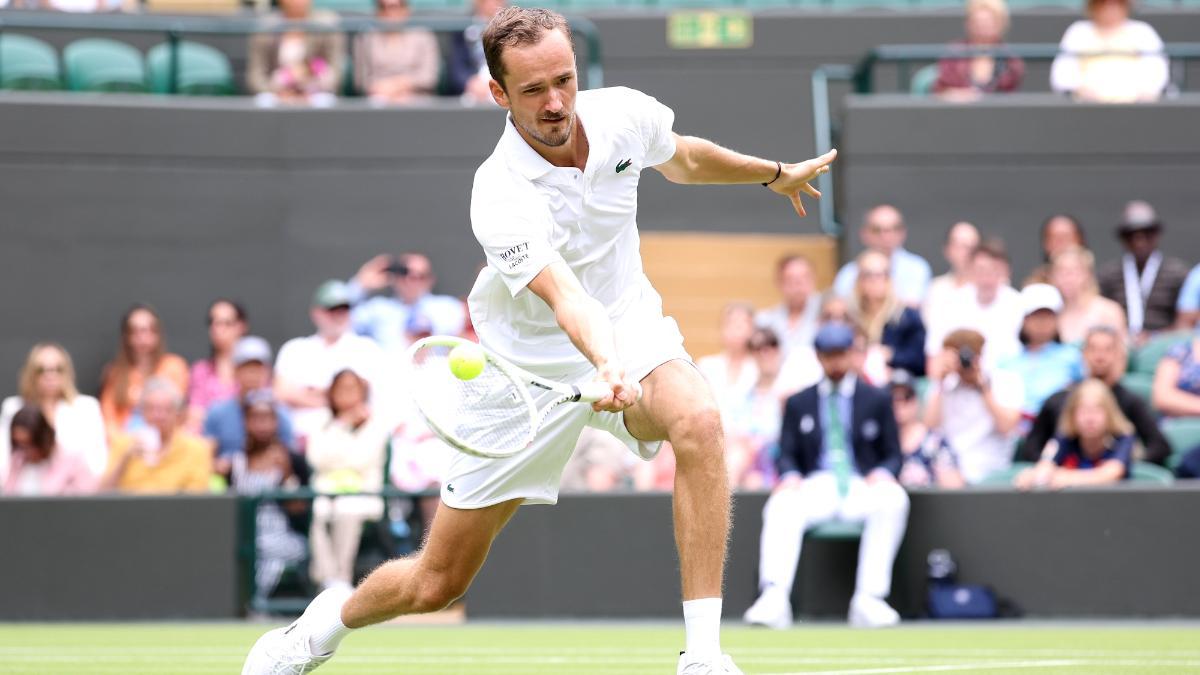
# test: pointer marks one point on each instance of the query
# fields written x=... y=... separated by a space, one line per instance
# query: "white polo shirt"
x=528 y=213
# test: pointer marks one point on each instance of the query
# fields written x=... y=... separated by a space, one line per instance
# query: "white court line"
x=946 y=668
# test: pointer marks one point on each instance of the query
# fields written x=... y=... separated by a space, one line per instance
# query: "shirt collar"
x=520 y=155
x=845 y=387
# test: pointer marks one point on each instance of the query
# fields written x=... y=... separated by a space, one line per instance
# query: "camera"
x=966 y=358
x=397 y=268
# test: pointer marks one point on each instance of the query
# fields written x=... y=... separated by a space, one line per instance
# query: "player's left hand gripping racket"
x=493 y=414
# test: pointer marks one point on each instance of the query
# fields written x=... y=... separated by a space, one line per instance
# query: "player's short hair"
x=991 y=248
x=517 y=27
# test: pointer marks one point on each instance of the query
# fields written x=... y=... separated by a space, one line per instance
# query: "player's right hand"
x=624 y=391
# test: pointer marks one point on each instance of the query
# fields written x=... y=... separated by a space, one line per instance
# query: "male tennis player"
x=563 y=295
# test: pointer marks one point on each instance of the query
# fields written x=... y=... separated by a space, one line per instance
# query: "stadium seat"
x=28 y=63
x=100 y=64
x=1144 y=472
x=201 y=70
x=1183 y=433
x=1145 y=359
x=837 y=530
x=923 y=80
x=1141 y=384
x=1004 y=476
x=359 y=6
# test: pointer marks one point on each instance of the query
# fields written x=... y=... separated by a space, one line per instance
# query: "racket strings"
x=488 y=413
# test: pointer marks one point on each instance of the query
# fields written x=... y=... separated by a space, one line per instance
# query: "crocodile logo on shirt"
x=621 y=166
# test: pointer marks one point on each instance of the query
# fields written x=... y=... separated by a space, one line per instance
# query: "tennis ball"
x=466 y=361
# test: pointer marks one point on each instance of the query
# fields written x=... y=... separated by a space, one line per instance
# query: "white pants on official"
x=882 y=508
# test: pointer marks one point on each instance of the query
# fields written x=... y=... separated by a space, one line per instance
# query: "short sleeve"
x=516 y=249
x=655 y=121
x=1189 y=295
x=1008 y=389
x=1179 y=352
x=1123 y=452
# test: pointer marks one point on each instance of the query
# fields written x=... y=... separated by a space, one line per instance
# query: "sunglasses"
x=904 y=396
x=338 y=309
x=761 y=346
x=223 y=322
x=417 y=276
x=57 y=368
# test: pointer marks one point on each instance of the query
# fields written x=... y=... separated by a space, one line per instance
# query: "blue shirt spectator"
x=394 y=322
x=1094 y=445
x=884 y=230
x=1187 y=307
x=466 y=69
x=225 y=422
x=1044 y=364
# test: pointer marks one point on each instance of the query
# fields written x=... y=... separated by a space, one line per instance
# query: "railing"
x=175 y=28
x=862 y=79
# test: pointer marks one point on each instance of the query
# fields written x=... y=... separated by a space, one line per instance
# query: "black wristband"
x=778 y=173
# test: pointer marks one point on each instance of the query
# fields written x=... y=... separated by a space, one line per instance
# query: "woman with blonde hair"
x=895 y=333
x=48 y=381
x=1073 y=273
x=1094 y=445
x=968 y=76
x=141 y=356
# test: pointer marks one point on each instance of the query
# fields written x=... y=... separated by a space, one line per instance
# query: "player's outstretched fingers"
x=810 y=191
x=798 y=205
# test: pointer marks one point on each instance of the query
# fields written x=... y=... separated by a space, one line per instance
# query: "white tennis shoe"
x=286 y=651
x=773 y=609
x=719 y=665
x=871 y=612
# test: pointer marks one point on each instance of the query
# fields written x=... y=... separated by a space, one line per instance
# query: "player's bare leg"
x=676 y=405
x=458 y=543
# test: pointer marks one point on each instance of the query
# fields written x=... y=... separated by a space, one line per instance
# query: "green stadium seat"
x=359 y=6
x=923 y=80
x=1183 y=433
x=1145 y=359
x=837 y=530
x=201 y=70
x=28 y=63
x=1004 y=476
x=1144 y=472
x=1141 y=384
x=99 y=64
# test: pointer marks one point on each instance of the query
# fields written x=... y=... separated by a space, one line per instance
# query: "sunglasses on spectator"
x=55 y=368
x=873 y=274
x=903 y=395
x=880 y=229
x=222 y=322
x=763 y=344
x=337 y=309
x=417 y=276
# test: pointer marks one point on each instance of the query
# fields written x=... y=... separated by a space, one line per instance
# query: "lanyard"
x=1137 y=289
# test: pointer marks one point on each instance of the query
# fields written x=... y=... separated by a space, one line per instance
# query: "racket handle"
x=594 y=391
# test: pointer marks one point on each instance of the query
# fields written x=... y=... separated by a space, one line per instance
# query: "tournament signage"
x=710 y=29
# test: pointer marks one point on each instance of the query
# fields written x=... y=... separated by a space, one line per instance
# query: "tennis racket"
x=492 y=415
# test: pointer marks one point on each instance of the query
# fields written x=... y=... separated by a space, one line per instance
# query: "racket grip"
x=594 y=391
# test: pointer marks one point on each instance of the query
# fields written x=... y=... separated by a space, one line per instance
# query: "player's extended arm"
x=586 y=322
x=698 y=161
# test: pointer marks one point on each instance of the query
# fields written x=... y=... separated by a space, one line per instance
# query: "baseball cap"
x=902 y=379
x=251 y=348
x=1040 y=296
x=834 y=336
x=332 y=293
x=1138 y=216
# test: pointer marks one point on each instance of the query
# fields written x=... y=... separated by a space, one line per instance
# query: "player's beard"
x=556 y=138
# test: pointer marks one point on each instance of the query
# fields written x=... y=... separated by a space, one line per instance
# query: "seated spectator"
x=467 y=69
x=48 y=382
x=1176 y=389
x=838 y=457
x=973 y=407
x=600 y=463
x=1110 y=58
x=1143 y=281
x=160 y=457
x=1187 y=308
x=732 y=372
x=794 y=320
x=752 y=431
x=988 y=304
x=225 y=423
x=266 y=465
x=834 y=309
x=1072 y=274
x=294 y=66
x=347 y=456
x=1104 y=359
x=1044 y=364
x=39 y=468
x=212 y=379
x=413 y=306
x=142 y=355
x=1060 y=232
x=966 y=77
x=928 y=458
x=961 y=239
x=306 y=365
x=1094 y=445
x=895 y=333
x=883 y=230
x=394 y=66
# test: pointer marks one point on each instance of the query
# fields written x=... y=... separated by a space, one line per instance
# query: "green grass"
x=529 y=649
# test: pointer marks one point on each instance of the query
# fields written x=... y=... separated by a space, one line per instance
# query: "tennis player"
x=564 y=296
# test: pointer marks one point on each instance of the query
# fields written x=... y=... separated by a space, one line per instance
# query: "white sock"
x=702 y=625
x=328 y=630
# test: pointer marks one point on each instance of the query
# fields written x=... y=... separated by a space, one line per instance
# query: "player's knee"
x=437 y=591
x=699 y=432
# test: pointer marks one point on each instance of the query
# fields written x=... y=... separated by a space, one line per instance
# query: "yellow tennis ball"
x=466 y=361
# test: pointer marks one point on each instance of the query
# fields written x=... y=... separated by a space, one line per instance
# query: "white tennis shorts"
x=645 y=340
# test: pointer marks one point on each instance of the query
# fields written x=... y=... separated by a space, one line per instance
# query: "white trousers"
x=882 y=508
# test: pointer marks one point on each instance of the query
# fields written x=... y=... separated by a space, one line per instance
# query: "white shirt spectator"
x=1139 y=74
x=968 y=427
x=999 y=322
x=311 y=362
x=78 y=430
x=792 y=335
x=910 y=277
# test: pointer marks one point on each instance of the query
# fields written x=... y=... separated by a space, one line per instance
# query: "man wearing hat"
x=306 y=365
x=1143 y=281
x=838 y=459
x=225 y=423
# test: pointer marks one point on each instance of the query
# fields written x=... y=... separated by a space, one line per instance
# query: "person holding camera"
x=389 y=319
x=973 y=407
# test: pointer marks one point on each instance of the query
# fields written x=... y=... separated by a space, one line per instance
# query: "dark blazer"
x=873 y=431
x=906 y=337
